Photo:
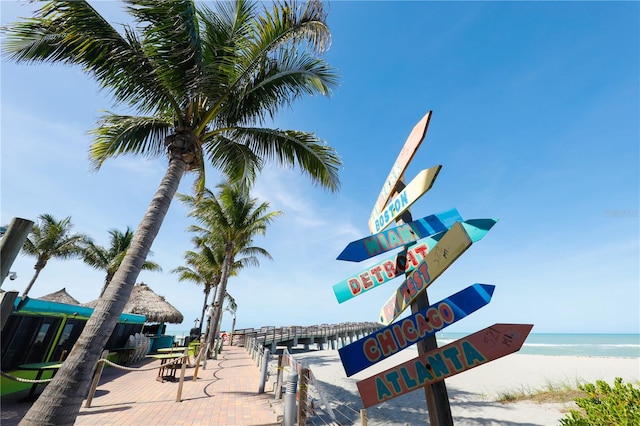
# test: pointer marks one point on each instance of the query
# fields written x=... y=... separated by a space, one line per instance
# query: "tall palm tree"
x=110 y=259
x=202 y=82
x=230 y=219
x=51 y=238
x=205 y=267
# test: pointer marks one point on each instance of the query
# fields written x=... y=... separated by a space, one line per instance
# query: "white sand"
x=473 y=393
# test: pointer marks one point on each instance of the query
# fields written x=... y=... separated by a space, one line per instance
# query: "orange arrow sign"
x=476 y=349
x=404 y=158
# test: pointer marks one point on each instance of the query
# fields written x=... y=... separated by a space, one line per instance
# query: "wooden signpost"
x=399 y=236
x=418 y=186
x=429 y=246
x=451 y=246
x=404 y=158
x=390 y=340
x=476 y=349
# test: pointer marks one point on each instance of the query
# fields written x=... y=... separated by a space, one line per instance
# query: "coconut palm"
x=200 y=84
x=205 y=267
x=52 y=239
x=110 y=259
x=230 y=219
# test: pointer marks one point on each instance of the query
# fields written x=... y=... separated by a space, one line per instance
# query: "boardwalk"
x=226 y=393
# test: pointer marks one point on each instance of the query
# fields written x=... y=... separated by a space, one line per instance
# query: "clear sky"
x=535 y=122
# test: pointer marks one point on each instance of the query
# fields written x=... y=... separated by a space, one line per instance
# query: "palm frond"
x=75 y=33
x=171 y=41
x=289 y=148
x=118 y=134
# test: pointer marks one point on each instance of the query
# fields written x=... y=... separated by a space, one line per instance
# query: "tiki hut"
x=144 y=301
x=60 y=296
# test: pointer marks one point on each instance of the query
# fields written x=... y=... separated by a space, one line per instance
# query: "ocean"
x=600 y=345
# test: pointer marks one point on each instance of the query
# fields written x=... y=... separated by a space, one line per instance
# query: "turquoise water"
x=606 y=345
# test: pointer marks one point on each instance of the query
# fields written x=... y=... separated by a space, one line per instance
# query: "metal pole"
x=265 y=366
x=289 y=415
x=11 y=244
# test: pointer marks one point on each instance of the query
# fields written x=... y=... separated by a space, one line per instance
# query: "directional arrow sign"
x=396 y=265
x=401 y=202
x=476 y=349
x=399 y=236
x=404 y=158
x=392 y=339
x=451 y=245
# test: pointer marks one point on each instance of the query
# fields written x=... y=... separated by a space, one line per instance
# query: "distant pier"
x=323 y=336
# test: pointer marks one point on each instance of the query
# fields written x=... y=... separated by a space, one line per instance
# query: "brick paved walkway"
x=226 y=393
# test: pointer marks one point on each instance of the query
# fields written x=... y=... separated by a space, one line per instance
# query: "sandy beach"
x=473 y=393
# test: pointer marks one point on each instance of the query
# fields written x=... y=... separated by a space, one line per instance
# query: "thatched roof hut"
x=60 y=296
x=144 y=301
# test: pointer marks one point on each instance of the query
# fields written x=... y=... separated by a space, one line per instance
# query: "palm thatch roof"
x=144 y=301
x=60 y=296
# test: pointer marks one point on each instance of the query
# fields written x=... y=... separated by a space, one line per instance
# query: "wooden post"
x=11 y=244
x=185 y=358
x=363 y=417
x=96 y=378
x=203 y=351
x=278 y=391
x=302 y=402
x=7 y=299
x=435 y=394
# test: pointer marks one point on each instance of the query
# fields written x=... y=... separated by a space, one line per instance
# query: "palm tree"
x=49 y=239
x=205 y=267
x=230 y=219
x=232 y=307
x=202 y=82
x=109 y=260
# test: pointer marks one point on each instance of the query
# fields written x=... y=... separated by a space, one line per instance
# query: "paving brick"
x=226 y=393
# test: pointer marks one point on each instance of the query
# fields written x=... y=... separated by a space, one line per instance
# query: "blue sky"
x=535 y=122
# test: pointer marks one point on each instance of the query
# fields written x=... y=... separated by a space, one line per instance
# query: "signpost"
x=445 y=237
x=402 y=201
x=451 y=246
x=392 y=339
x=399 y=236
x=404 y=158
x=476 y=349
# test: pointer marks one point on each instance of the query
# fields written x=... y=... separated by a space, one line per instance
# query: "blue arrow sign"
x=399 y=236
x=393 y=338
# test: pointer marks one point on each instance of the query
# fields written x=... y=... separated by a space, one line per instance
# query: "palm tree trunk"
x=61 y=400
x=222 y=290
x=204 y=306
x=107 y=280
x=33 y=280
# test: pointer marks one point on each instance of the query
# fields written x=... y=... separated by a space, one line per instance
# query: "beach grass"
x=551 y=392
